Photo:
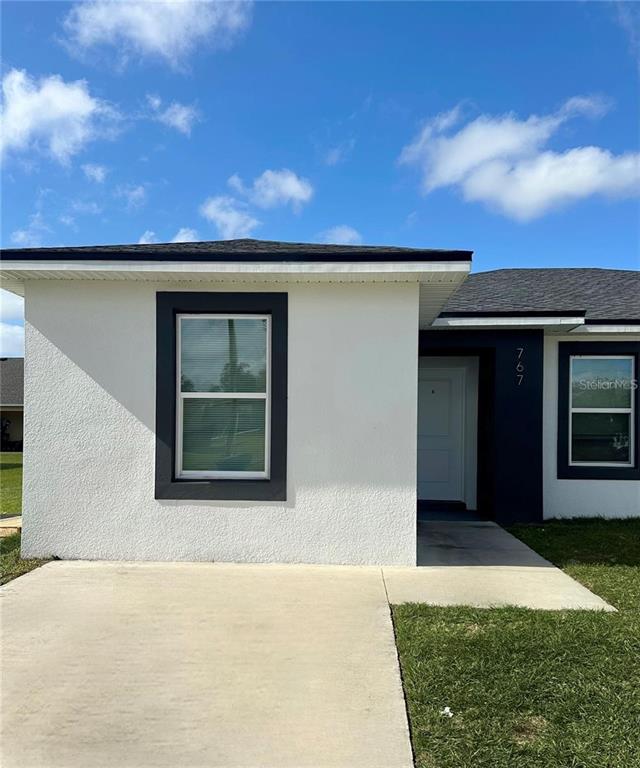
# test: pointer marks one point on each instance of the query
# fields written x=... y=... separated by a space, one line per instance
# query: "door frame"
x=465 y=371
x=485 y=440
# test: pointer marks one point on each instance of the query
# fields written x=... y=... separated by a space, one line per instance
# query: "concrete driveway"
x=226 y=666
x=186 y=665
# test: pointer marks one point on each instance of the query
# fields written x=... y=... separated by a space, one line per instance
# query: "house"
x=280 y=402
x=11 y=402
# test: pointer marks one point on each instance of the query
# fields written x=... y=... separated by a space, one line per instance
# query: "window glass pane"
x=600 y=437
x=223 y=435
x=223 y=355
x=601 y=383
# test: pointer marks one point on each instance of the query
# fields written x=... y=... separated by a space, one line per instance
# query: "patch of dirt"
x=529 y=729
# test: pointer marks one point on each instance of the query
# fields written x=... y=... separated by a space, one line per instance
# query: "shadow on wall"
x=123 y=313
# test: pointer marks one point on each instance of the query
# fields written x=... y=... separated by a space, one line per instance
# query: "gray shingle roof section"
x=603 y=294
x=11 y=380
x=238 y=250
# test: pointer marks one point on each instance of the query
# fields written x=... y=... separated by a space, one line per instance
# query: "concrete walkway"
x=10 y=525
x=480 y=564
x=185 y=665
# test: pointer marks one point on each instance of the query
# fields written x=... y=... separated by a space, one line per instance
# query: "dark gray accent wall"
x=509 y=416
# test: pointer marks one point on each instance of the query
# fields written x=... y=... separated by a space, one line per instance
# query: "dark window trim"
x=595 y=348
x=168 y=306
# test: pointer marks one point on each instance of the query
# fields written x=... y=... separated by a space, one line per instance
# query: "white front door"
x=441 y=454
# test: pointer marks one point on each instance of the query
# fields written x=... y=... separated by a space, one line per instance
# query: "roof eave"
x=609 y=326
x=289 y=254
x=15 y=273
x=550 y=322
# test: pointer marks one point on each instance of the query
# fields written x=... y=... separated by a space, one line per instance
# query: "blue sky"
x=507 y=128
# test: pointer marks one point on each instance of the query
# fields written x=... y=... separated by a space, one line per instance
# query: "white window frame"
x=182 y=396
x=630 y=411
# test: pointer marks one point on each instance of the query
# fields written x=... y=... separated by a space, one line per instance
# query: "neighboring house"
x=276 y=402
x=11 y=402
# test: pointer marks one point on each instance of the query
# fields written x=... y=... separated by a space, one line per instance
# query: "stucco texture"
x=89 y=431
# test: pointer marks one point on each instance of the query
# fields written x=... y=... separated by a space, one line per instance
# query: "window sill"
x=598 y=473
x=222 y=490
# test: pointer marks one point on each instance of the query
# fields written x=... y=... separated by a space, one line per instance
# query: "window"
x=598 y=410
x=221 y=396
x=601 y=403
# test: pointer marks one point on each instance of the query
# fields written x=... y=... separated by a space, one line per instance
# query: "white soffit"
x=446 y=275
x=550 y=323
x=608 y=328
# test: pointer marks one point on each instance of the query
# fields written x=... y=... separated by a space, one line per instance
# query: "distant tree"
x=236 y=377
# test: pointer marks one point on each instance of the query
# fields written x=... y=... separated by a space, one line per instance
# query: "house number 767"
x=520 y=365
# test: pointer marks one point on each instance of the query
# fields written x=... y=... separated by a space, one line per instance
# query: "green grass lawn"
x=533 y=689
x=11 y=564
x=10 y=484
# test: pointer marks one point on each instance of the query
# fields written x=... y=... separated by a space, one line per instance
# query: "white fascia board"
x=392 y=270
x=604 y=328
x=549 y=322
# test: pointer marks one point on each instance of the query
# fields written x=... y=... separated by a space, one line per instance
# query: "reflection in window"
x=601 y=410
x=223 y=396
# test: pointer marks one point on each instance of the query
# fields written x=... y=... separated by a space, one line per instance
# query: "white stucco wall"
x=578 y=498
x=89 y=431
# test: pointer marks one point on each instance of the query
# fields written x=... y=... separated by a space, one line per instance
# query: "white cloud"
x=155 y=102
x=175 y=115
x=169 y=30
x=274 y=188
x=628 y=16
x=236 y=183
x=342 y=234
x=11 y=307
x=533 y=186
x=147 y=237
x=51 y=115
x=86 y=207
x=339 y=153
x=11 y=340
x=135 y=195
x=31 y=236
x=94 y=172
x=185 y=235
x=229 y=216
x=11 y=324
x=502 y=161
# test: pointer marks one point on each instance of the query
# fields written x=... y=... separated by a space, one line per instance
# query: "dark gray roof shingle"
x=603 y=294
x=11 y=380
x=239 y=250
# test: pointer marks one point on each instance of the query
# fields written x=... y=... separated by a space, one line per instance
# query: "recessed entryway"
x=448 y=430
